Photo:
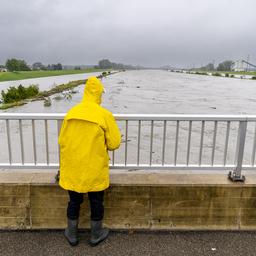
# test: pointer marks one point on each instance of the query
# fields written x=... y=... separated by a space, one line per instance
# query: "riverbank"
x=252 y=73
x=229 y=74
x=42 y=95
x=20 y=75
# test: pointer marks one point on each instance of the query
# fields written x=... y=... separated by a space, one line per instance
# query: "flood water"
x=154 y=92
x=164 y=92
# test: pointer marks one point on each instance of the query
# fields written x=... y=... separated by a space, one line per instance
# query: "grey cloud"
x=180 y=33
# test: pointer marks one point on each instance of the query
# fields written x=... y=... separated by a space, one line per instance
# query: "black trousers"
x=96 y=204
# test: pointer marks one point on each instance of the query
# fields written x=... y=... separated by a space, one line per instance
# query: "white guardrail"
x=180 y=142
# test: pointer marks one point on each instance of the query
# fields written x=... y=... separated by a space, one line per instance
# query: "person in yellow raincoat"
x=87 y=133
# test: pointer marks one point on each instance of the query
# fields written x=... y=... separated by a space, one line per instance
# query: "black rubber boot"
x=71 y=232
x=98 y=234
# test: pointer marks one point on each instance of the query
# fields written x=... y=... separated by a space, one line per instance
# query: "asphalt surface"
x=21 y=243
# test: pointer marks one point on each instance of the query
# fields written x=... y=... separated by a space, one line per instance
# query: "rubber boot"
x=71 y=232
x=98 y=234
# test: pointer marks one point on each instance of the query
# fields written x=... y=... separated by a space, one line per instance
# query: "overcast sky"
x=146 y=32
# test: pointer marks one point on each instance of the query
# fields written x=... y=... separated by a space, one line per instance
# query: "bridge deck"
x=123 y=243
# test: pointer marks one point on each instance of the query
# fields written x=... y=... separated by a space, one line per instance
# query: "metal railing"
x=180 y=142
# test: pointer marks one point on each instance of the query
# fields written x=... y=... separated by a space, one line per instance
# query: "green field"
x=252 y=73
x=19 y=75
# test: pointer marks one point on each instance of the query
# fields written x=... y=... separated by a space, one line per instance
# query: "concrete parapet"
x=135 y=200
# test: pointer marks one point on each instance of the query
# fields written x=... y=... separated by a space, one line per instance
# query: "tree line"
x=107 y=64
x=21 y=65
x=223 y=66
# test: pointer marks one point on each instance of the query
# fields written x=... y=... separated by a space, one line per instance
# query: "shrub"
x=15 y=94
x=201 y=73
x=226 y=75
x=254 y=78
x=47 y=102
x=216 y=74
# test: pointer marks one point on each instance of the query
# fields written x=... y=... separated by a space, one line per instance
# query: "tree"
x=105 y=63
x=225 y=65
x=54 y=66
x=17 y=65
x=12 y=64
x=209 y=67
x=24 y=66
x=38 y=66
x=58 y=67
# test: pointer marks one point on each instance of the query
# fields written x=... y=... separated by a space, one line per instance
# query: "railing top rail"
x=145 y=117
x=28 y=116
x=182 y=117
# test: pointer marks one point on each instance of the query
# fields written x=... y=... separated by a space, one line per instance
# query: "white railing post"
x=236 y=175
x=59 y=124
x=161 y=157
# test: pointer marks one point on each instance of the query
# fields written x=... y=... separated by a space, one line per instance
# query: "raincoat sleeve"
x=112 y=133
x=64 y=124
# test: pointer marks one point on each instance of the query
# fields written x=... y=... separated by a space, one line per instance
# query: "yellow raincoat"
x=87 y=133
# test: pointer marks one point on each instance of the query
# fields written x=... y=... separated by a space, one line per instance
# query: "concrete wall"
x=135 y=200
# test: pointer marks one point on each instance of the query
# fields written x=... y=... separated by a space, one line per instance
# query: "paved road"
x=124 y=243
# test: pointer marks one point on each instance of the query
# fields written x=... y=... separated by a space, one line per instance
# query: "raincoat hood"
x=93 y=90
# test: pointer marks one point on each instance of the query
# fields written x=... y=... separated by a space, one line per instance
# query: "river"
x=160 y=92
x=164 y=92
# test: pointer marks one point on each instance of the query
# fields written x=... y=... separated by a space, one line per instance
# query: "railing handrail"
x=164 y=118
x=143 y=117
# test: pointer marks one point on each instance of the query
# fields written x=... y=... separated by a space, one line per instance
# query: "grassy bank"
x=228 y=74
x=251 y=73
x=19 y=75
x=44 y=94
x=59 y=88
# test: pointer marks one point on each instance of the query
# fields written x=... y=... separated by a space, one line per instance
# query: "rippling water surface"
x=157 y=92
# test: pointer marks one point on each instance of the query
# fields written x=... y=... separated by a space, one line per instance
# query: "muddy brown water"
x=150 y=92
